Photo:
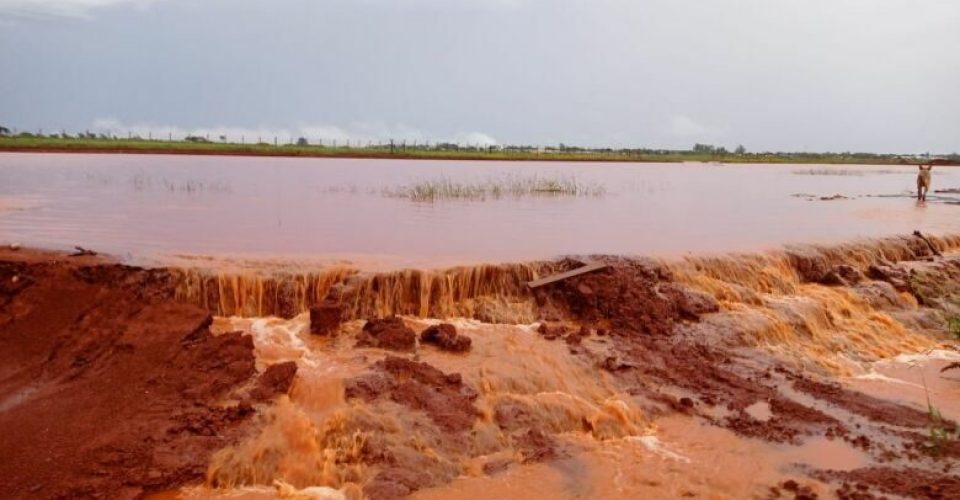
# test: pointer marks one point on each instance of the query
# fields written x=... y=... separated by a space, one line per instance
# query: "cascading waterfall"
x=782 y=302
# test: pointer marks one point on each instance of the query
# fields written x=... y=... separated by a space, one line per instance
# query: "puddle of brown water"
x=267 y=207
x=912 y=379
x=690 y=460
x=823 y=453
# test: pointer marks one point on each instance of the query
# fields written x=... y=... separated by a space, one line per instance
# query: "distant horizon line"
x=288 y=139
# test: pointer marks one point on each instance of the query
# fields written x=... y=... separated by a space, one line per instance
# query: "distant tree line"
x=698 y=150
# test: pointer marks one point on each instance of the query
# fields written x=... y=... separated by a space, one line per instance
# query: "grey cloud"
x=876 y=75
x=61 y=8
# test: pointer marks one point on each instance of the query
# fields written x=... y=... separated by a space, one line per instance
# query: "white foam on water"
x=652 y=443
x=935 y=354
x=309 y=493
x=879 y=377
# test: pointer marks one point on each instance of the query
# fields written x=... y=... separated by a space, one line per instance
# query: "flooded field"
x=387 y=357
x=335 y=209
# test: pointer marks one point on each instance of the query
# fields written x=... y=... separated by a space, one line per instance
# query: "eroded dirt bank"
x=108 y=387
x=813 y=368
x=643 y=379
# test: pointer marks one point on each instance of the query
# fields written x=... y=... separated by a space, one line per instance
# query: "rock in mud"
x=896 y=276
x=287 y=293
x=387 y=333
x=623 y=296
x=396 y=482
x=326 y=318
x=534 y=446
x=809 y=263
x=616 y=363
x=880 y=295
x=797 y=491
x=443 y=397
x=445 y=337
x=813 y=267
x=843 y=275
x=690 y=303
x=552 y=331
x=576 y=338
x=496 y=467
x=514 y=415
x=274 y=381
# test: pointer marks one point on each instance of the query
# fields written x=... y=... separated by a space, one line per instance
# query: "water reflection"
x=143 y=204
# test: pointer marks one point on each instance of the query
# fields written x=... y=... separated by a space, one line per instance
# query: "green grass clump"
x=953 y=326
x=513 y=187
x=940 y=436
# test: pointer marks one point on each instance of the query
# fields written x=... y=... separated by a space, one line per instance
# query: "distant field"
x=445 y=152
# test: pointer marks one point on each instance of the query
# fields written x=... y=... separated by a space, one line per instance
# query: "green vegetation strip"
x=700 y=153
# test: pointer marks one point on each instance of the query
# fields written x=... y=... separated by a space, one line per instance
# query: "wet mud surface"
x=108 y=387
x=662 y=356
x=419 y=386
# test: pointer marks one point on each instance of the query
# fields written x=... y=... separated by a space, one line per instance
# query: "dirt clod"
x=443 y=397
x=535 y=446
x=445 y=337
x=274 y=381
x=691 y=304
x=326 y=318
x=387 y=333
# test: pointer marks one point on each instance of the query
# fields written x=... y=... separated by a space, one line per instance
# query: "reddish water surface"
x=157 y=206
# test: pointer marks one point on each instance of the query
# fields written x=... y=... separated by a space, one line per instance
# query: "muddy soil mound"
x=387 y=333
x=274 y=381
x=660 y=352
x=444 y=398
x=419 y=386
x=622 y=296
x=445 y=337
x=108 y=388
x=644 y=308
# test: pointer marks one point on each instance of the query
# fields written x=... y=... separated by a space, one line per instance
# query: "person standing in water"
x=923 y=181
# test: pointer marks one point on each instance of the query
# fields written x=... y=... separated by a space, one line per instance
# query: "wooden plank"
x=929 y=243
x=588 y=268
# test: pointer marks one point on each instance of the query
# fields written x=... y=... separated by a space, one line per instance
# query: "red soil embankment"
x=643 y=313
x=108 y=387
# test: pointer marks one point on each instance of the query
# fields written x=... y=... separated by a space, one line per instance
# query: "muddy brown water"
x=155 y=205
x=611 y=441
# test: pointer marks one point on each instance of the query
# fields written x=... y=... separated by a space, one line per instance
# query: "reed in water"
x=511 y=186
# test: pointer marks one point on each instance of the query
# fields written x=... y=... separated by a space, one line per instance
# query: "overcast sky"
x=864 y=75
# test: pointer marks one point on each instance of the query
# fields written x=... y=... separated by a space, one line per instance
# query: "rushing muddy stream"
x=341 y=209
